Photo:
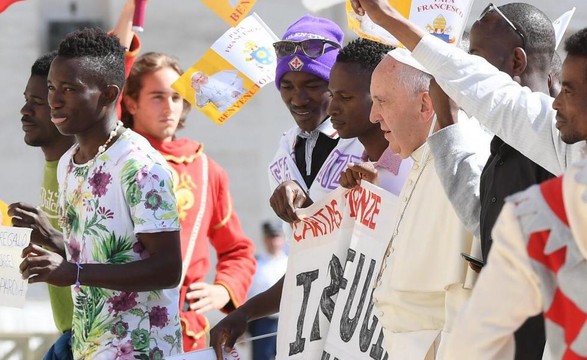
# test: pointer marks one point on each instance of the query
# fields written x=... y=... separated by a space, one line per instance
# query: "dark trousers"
x=264 y=349
x=530 y=339
x=61 y=350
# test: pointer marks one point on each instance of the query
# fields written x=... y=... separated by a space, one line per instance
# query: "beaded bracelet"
x=77 y=283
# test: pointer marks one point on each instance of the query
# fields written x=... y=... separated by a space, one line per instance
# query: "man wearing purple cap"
x=311 y=155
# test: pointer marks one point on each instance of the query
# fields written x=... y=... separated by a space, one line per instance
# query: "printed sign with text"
x=12 y=287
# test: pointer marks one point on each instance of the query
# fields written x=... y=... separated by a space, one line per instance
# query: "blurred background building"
x=184 y=28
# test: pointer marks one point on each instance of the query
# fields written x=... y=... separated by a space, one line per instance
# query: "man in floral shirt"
x=117 y=212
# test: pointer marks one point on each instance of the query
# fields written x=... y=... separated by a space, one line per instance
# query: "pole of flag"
x=138 y=20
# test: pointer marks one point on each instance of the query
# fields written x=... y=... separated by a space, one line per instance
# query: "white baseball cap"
x=405 y=57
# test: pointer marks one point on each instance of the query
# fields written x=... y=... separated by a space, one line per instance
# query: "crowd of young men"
x=144 y=203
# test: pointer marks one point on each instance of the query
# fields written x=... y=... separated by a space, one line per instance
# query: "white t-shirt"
x=127 y=190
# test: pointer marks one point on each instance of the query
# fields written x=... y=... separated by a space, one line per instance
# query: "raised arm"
x=460 y=149
x=523 y=119
x=123 y=28
x=128 y=39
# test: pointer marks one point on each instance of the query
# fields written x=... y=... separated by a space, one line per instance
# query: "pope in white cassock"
x=221 y=88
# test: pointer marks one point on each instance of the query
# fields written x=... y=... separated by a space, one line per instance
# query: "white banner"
x=355 y=331
x=333 y=261
x=12 y=287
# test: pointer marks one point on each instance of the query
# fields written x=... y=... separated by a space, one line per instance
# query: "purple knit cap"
x=310 y=27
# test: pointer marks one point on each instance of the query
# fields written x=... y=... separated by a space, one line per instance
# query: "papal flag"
x=231 y=11
x=444 y=19
x=231 y=72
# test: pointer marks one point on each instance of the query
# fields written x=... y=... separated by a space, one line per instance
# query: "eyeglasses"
x=492 y=7
x=312 y=48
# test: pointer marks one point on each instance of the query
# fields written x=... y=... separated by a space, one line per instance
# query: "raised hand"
x=391 y=20
x=378 y=10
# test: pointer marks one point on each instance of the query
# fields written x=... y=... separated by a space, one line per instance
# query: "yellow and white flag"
x=445 y=19
x=231 y=72
x=231 y=11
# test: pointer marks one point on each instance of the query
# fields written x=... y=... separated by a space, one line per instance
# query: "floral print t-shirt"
x=104 y=204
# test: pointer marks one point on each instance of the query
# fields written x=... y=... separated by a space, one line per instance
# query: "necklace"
x=101 y=148
x=66 y=206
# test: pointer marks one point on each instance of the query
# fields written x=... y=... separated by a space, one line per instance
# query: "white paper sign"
x=12 y=287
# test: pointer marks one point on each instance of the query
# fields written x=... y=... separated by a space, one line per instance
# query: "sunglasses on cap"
x=491 y=8
x=312 y=48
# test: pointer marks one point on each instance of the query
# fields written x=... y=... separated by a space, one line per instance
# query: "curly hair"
x=576 y=44
x=149 y=63
x=101 y=52
x=42 y=64
x=364 y=52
